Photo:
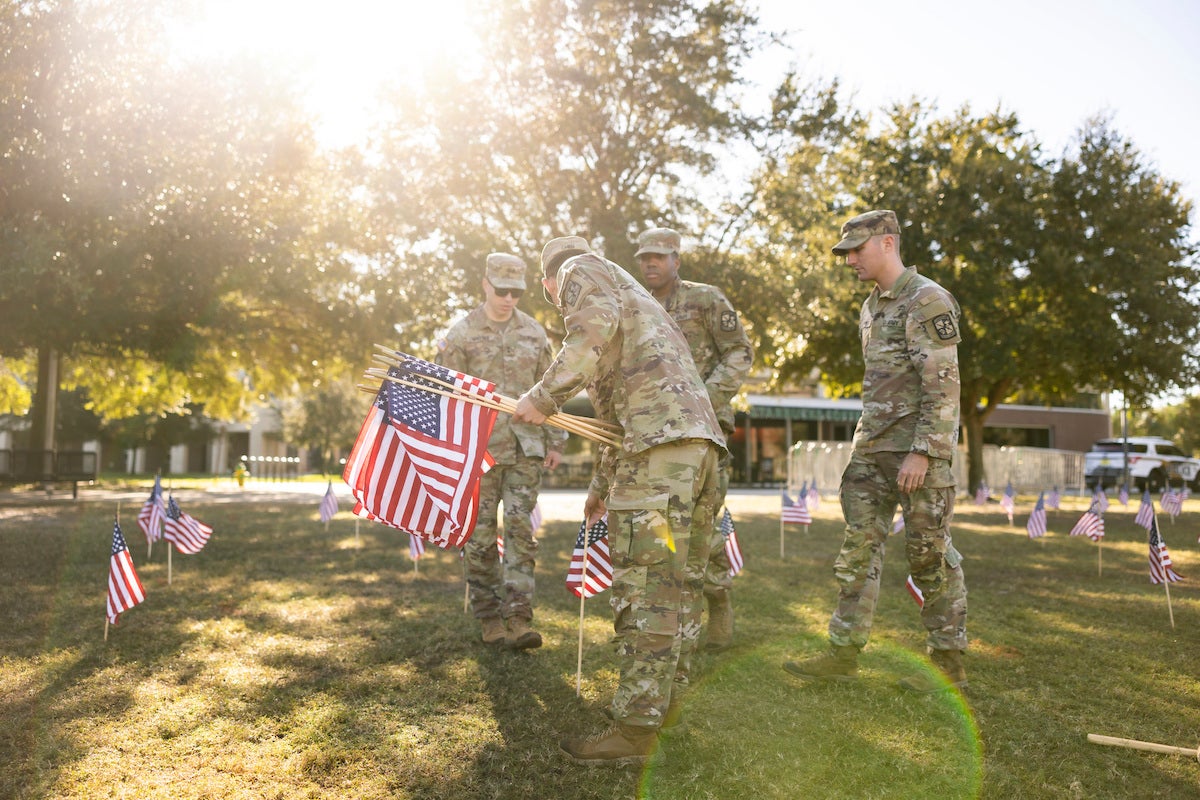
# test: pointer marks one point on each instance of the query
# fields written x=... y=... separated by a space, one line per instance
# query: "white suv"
x=1153 y=463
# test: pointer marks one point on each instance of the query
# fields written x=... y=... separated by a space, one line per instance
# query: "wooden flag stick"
x=781 y=537
x=1100 y=558
x=582 y=596
x=106 y=626
x=1170 y=613
x=387 y=356
x=1135 y=744
x=597 y=430
x=570 y=424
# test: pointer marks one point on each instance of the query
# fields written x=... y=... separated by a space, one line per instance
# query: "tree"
x=325 y=418
x=162 y=225
x=587 y=118
x=993 y=221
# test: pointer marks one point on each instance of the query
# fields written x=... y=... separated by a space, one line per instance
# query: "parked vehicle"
x=1154 y=462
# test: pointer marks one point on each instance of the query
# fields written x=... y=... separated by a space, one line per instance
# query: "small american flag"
x=1036 y=526
x=814 y=496
x=150 y=518
x=329 y=503
x=124 y=587
x=795 y=511
x=1100 y=498
x=1091 y=524
x=535 y=518
x=1145 y=514
x=917 y=595
x=1054 y=499
x=592 y=578
x=981 y=494
x=1161 y=569
x=898 y=522
x=1123 y=495
x=187 y=533
x=1007 y=502
x=733 y=550
x=1172 y=502
x=416 y=546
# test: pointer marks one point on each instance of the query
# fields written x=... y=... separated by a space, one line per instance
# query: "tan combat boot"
x=521 y=636
x=954 y=675
x=493 y=630
x=720 y=621
x=839 y=664
x=619 y=745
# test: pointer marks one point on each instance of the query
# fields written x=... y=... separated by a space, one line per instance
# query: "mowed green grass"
x=287 y=661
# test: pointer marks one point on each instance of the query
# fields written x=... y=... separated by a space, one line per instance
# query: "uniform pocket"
x=641 y=532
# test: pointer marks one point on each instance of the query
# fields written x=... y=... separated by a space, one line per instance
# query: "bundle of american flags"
x=420 y=453
x=590 y=572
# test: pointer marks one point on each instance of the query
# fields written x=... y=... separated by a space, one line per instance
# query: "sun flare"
x=338 y=54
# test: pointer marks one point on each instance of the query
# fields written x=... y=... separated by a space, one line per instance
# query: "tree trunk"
x=42 y=429
x=973 y=426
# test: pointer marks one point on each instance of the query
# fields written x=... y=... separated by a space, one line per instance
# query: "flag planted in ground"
x=1036 y=526
x=329 y=503
x=124 y=587
x=1008 y=501
x=535 y=518
x=1123 y=495
x=1145 y=513
x=590 y=572
x=1172 y=502
x=188 y=534
x=814 y=496
x=417 y=460
x=1091 y=524
x=150 y=518
x=795 y=511
x=981 y=494
x=733 y=550
x=1161 y=568
x=1100 y=498
x=416 y=546
x=1054 y=499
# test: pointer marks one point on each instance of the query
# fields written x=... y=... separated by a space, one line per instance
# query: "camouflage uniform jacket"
x=512 y=355
x=910 y=388
x=637 y=368
x=719 y=345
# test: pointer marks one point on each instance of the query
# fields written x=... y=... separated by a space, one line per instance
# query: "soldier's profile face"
x=867 y=260
x=659 y=270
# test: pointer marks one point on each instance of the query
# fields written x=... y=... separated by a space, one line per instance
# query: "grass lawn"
x=287 y=661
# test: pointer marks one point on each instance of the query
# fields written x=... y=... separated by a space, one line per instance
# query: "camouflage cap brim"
x=851 y=241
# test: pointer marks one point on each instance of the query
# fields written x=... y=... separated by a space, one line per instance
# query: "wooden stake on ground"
x=582 y=597
x=1135 y=744
x=1170 y=613
x=169 y=549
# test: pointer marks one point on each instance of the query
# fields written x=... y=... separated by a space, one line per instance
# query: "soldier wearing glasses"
x=501 y=343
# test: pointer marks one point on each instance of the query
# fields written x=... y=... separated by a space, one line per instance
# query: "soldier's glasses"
x=510 y=292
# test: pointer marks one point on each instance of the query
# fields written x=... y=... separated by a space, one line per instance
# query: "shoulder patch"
x=729 y=321
x=944 y=325
x=571 y=292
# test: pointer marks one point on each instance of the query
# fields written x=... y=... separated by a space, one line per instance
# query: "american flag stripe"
x=124 y=587
x=915 y=591
x=597 y=576
x=733 y=548
x=187 y=533
x=1161 y=567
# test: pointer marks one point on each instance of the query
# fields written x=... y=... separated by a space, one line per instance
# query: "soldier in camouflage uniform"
x=501 y=343
x=659 y=488
x=903 y=449
x=723 y=356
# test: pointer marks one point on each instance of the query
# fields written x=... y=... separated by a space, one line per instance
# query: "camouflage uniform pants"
x=504 y=589
x=869 y=498
x=717 y=579
x=665 y=494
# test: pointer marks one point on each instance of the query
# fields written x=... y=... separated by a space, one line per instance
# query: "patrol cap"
x=558 y=250
x=663 y=241
x=873 y=223
x=505 y=271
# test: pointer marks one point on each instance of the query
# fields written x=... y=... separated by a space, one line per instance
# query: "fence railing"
x=1029 y=469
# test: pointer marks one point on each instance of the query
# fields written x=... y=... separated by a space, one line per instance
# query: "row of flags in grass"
x=158 y=520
